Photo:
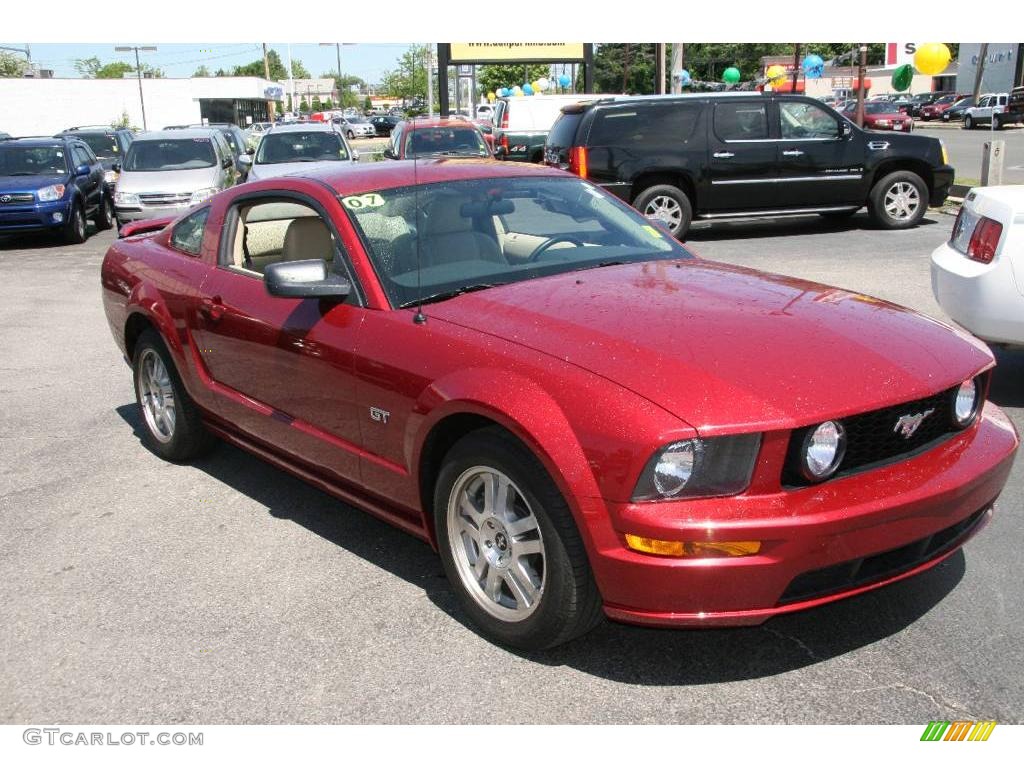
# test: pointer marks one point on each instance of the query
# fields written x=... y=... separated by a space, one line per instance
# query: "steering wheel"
x=550 y=242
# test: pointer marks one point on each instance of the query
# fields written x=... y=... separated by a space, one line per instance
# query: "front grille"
x=165 y=198
x=872 y=439
x=12 y=198
x=865 y=570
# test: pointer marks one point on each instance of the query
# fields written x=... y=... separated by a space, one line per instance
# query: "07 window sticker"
x=359 y=202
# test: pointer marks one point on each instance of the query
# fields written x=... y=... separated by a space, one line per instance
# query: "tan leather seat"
x=307 y=238
x=449 y=236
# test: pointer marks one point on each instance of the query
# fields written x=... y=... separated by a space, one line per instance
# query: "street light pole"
x=861 y=67
x=138 y=72
x=337 y=51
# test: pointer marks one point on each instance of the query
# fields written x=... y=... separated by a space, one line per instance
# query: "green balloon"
x=731 y=75
x=903 y=77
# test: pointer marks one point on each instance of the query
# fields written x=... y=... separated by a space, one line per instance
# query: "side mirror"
x=250 y=150
x=389 y=153
x=307 y=279
x=244 y=161
x=83 y=170
x=845 y=129
x=355 y=156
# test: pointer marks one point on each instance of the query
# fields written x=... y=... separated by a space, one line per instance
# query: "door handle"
x=724 y=154
x=792 y=153
x=213 y=309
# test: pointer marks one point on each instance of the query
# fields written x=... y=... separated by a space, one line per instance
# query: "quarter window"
x=741 y=121
x=188 y=235
x=806 y=121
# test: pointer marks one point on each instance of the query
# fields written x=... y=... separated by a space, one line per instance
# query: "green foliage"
x=278 y=70
x=367 y=104
x=327 y=105
x=491 y=77
x=303 y=105
x=13 y=66
x=408 y=80
x=316 y=104
x=343 y=85
x=92 y=68
x=123 y=122
x=201 y=71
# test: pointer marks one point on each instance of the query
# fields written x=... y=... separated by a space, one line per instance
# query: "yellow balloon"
x=491 y=96
x=776 y=74
x=931 y=58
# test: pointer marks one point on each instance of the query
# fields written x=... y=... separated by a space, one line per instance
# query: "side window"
x=741 y=120
x=188 y=234
x=79 y=156
x=278 y=230
x=657 y=124
x=801 y=120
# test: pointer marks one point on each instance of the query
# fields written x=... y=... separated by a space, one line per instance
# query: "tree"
x=92 y=68
x=367 y=104
x=201 y=71
x=13 y=66
x=491 y=77
x=327 y=105
x=278 y=71
x=303 y=105
x=316 y=104
x=408 y=81
x=343 y=85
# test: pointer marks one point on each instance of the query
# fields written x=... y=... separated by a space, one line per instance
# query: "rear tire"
x=104 y=218
x=667 y=204
x=74 y=227
x=997 y=124
x=510 y=547
x=171 y=425
x=969 y=123
x=899 y=200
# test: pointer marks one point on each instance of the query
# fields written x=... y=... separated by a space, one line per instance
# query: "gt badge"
x=907 y=425
x=378 y=414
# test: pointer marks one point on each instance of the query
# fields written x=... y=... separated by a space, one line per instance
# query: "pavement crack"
x=795 y=640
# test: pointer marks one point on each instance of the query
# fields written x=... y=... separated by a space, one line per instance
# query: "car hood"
x=29 y=183
x=168 y=181
x=723 y=347
x=270 y=170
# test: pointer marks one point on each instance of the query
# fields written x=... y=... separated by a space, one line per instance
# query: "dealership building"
x=44 y=106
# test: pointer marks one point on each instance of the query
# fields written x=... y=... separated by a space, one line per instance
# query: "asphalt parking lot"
x=228 y=592
x=966 y=148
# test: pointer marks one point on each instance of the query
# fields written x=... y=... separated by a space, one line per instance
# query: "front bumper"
x=983 y=298
x=146 y=212
x=804 y=531
x=33 y=216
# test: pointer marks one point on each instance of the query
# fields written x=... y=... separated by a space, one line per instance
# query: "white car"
x=297 y=147
x=355 y=127
x=989 y=105
x=978 y=276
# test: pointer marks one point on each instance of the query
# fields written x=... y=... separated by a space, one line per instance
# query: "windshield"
x=103 y=145
x=445 y=140
x=32 y=161
x=946 y=100
x=357 y=120
x=170 y=154
x=485 y=232
x=301 y=147
x=966 y=102
x=880 y=108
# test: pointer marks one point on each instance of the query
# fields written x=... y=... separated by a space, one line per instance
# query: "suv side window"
x=188 y=234
x=801 y=120
x=654 y=124
x=741 y=120
x=79 y=156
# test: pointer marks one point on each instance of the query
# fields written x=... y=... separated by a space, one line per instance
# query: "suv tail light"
x=984 y=240
x=503 y=141
x=504 y=115
x=578 y=161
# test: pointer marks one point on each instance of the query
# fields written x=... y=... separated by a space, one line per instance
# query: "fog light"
x=823 y=451
x=58 y=218
x=692 y=548
x=965 y=403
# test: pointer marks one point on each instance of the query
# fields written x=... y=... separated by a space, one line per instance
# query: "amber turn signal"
x=692 y=548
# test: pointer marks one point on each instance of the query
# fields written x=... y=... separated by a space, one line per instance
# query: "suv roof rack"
x=92 y=127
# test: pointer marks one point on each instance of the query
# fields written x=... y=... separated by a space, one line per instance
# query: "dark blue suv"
x=52 y=184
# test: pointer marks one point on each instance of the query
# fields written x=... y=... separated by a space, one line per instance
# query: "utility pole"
x=266 y=76
x=430 y=80
x=291 y=82
x=796 y=68
x=659 y=67
x=861 y=67
x=980 y=72
x=678 y=55
x=138 y=72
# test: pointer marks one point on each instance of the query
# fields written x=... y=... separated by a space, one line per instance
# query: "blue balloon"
x=814 y=66
x=564 y=80
x=503 y=91
x=684 y=78
x=528 y=89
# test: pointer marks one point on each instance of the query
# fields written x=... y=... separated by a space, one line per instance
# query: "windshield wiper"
x=451 y=294
x=598 y=264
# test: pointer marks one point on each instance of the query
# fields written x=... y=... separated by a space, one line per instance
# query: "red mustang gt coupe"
x=579 y=415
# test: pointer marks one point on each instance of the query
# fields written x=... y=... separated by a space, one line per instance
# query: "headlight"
x=125 y=198
x=883 y=123
x=51 y=193
x=716 y=466
x=202 y=195
x=966 y=403
x=945 y=154
x=110 y=177
x=822 y=451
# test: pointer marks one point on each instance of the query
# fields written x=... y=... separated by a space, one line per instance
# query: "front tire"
x=899 y=200
x=171 y=425
x=74 y=227
x=667 y=204
x=510 y=547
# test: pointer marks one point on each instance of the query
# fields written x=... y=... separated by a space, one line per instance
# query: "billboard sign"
x=499 y=53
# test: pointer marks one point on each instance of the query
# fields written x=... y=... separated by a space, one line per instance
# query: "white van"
x=522 y=123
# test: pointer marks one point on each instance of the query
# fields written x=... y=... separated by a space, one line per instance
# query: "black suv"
x=110 y=145
x=738 y=155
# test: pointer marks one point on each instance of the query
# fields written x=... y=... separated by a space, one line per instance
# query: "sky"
x=366 y=60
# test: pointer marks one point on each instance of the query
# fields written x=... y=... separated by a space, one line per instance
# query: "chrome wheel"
x=156 y=396
x=79 y=224
x=902 y=200
x=666 y=210
x=496 y=542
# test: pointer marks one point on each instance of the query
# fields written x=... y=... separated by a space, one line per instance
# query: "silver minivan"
x=166 y=172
